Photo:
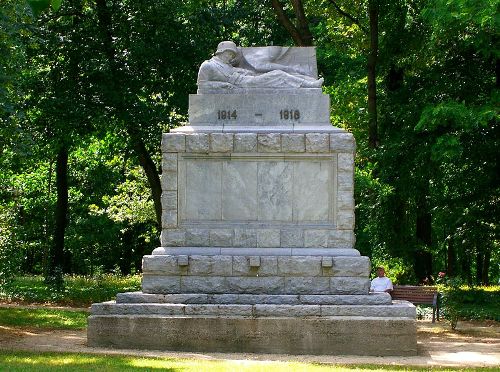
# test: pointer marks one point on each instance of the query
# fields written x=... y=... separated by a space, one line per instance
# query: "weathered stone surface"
x=219 y=310
x=349 y=285
x=270 y=142
x=198 y=142
x=317 y=142
x=316 y=238
x=292 y=238
x=169 y=181
x=345 y=220
x=269 y=285
x=197 y=237
x=245 y=238
x=162 y=265
x=202 y=191
x=161 y=284
x=210 y=265
x=291 y=142
x=351 y=266
x=346 y=162
x=345 y=201
x=268 y=238
x=221 y=142
x=312 y=190
x=169 y=200
x=307 y=285
x=341 y=238
x=173 y=142
x=241 y=205
x=284 y=335
x=169 y=219
x=365 y=299
x=172 y=238
x=299 y=266
x=169 y=162
x=268 y=266
x=275 y=192
x=221 y=238
x=245 y=142
x=342 y=142
x=394 y=311
x=287 y=310
x=203 y=284
x=345 y=181
x=112 y=308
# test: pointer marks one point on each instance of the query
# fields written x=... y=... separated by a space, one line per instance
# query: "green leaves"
x=39 y=6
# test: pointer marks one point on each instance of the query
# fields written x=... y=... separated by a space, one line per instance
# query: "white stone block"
x=198 y=142
x=345 y=220
x=183 y=260
x=169 y=162
x=268 y=285
x=268 y=266
x=173 y=142
x=210 y=265
x=341 y=238
x=345 y=200
x=221 y=237
x=270 y=142
x=245 y=238
x=161 y=284
x=275 y=191
x=299 y=266
x=345 y=181
x=219 y=310
x=245 y=142
x=169 y=219
x=292 y=238
x=164 y=265
x=169 y=200
x=172 y=238
x=266 y=310
x=197 y=237
x=316 y=238
x=221 y=142
x=203 y=284
x=346 y=162
x=291 y=142
x=349 y=285
x=169 y=181
x=202 y=191
x=239 y=205
x=308 y=285
x=317 y=142
x=342 y=142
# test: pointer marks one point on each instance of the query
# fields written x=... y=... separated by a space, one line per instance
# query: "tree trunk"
x=373 y=11
x=300 y=33
x=479 y=267
x=450 y=253
x=486 y=268
x=56 y=261
x=119 y=103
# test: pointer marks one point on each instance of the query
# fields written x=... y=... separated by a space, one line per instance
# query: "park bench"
x=418 y=295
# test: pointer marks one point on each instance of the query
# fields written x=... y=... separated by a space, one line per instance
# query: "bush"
x=469 y=303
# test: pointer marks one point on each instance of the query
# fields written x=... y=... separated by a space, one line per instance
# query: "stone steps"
x=401 y=309
x=253 y=299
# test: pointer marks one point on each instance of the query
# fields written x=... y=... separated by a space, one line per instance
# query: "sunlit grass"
x=43 y=318
x=27 y=361
x=78 y=290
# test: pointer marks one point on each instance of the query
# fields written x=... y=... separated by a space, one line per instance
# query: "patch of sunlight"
x=150 y=363
x=52 y=360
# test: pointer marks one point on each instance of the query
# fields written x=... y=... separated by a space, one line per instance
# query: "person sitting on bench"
x=381 y=283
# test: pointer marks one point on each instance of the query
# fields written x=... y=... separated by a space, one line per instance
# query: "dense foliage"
x=87 y=88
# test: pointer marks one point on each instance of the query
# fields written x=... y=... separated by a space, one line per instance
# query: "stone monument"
x=257 y=243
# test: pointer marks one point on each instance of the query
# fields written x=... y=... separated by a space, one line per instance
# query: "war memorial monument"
x=257 y=243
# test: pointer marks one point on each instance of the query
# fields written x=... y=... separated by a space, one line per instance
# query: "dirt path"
x=472 y=344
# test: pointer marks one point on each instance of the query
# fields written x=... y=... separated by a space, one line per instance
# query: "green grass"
x=79 y=291
x=30 y=361
x=43 y=318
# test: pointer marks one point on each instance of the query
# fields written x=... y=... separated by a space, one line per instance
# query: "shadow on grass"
x=43 y=318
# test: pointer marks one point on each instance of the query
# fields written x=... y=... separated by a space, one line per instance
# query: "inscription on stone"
x=227 y=115
x=290 y=115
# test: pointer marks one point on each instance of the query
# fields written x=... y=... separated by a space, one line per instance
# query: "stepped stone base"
x=274 y=334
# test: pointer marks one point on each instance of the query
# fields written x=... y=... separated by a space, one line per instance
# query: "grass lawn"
x=79 y=291
x=43 y=318
x=27 y=361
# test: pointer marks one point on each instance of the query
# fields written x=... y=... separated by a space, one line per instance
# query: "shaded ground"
x=472 y=344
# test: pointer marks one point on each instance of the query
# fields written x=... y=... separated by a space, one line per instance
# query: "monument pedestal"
x=257 y=243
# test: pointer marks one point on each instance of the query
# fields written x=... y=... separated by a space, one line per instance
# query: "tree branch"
x=285 y=21
x=302 y=23
x=348 y=16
